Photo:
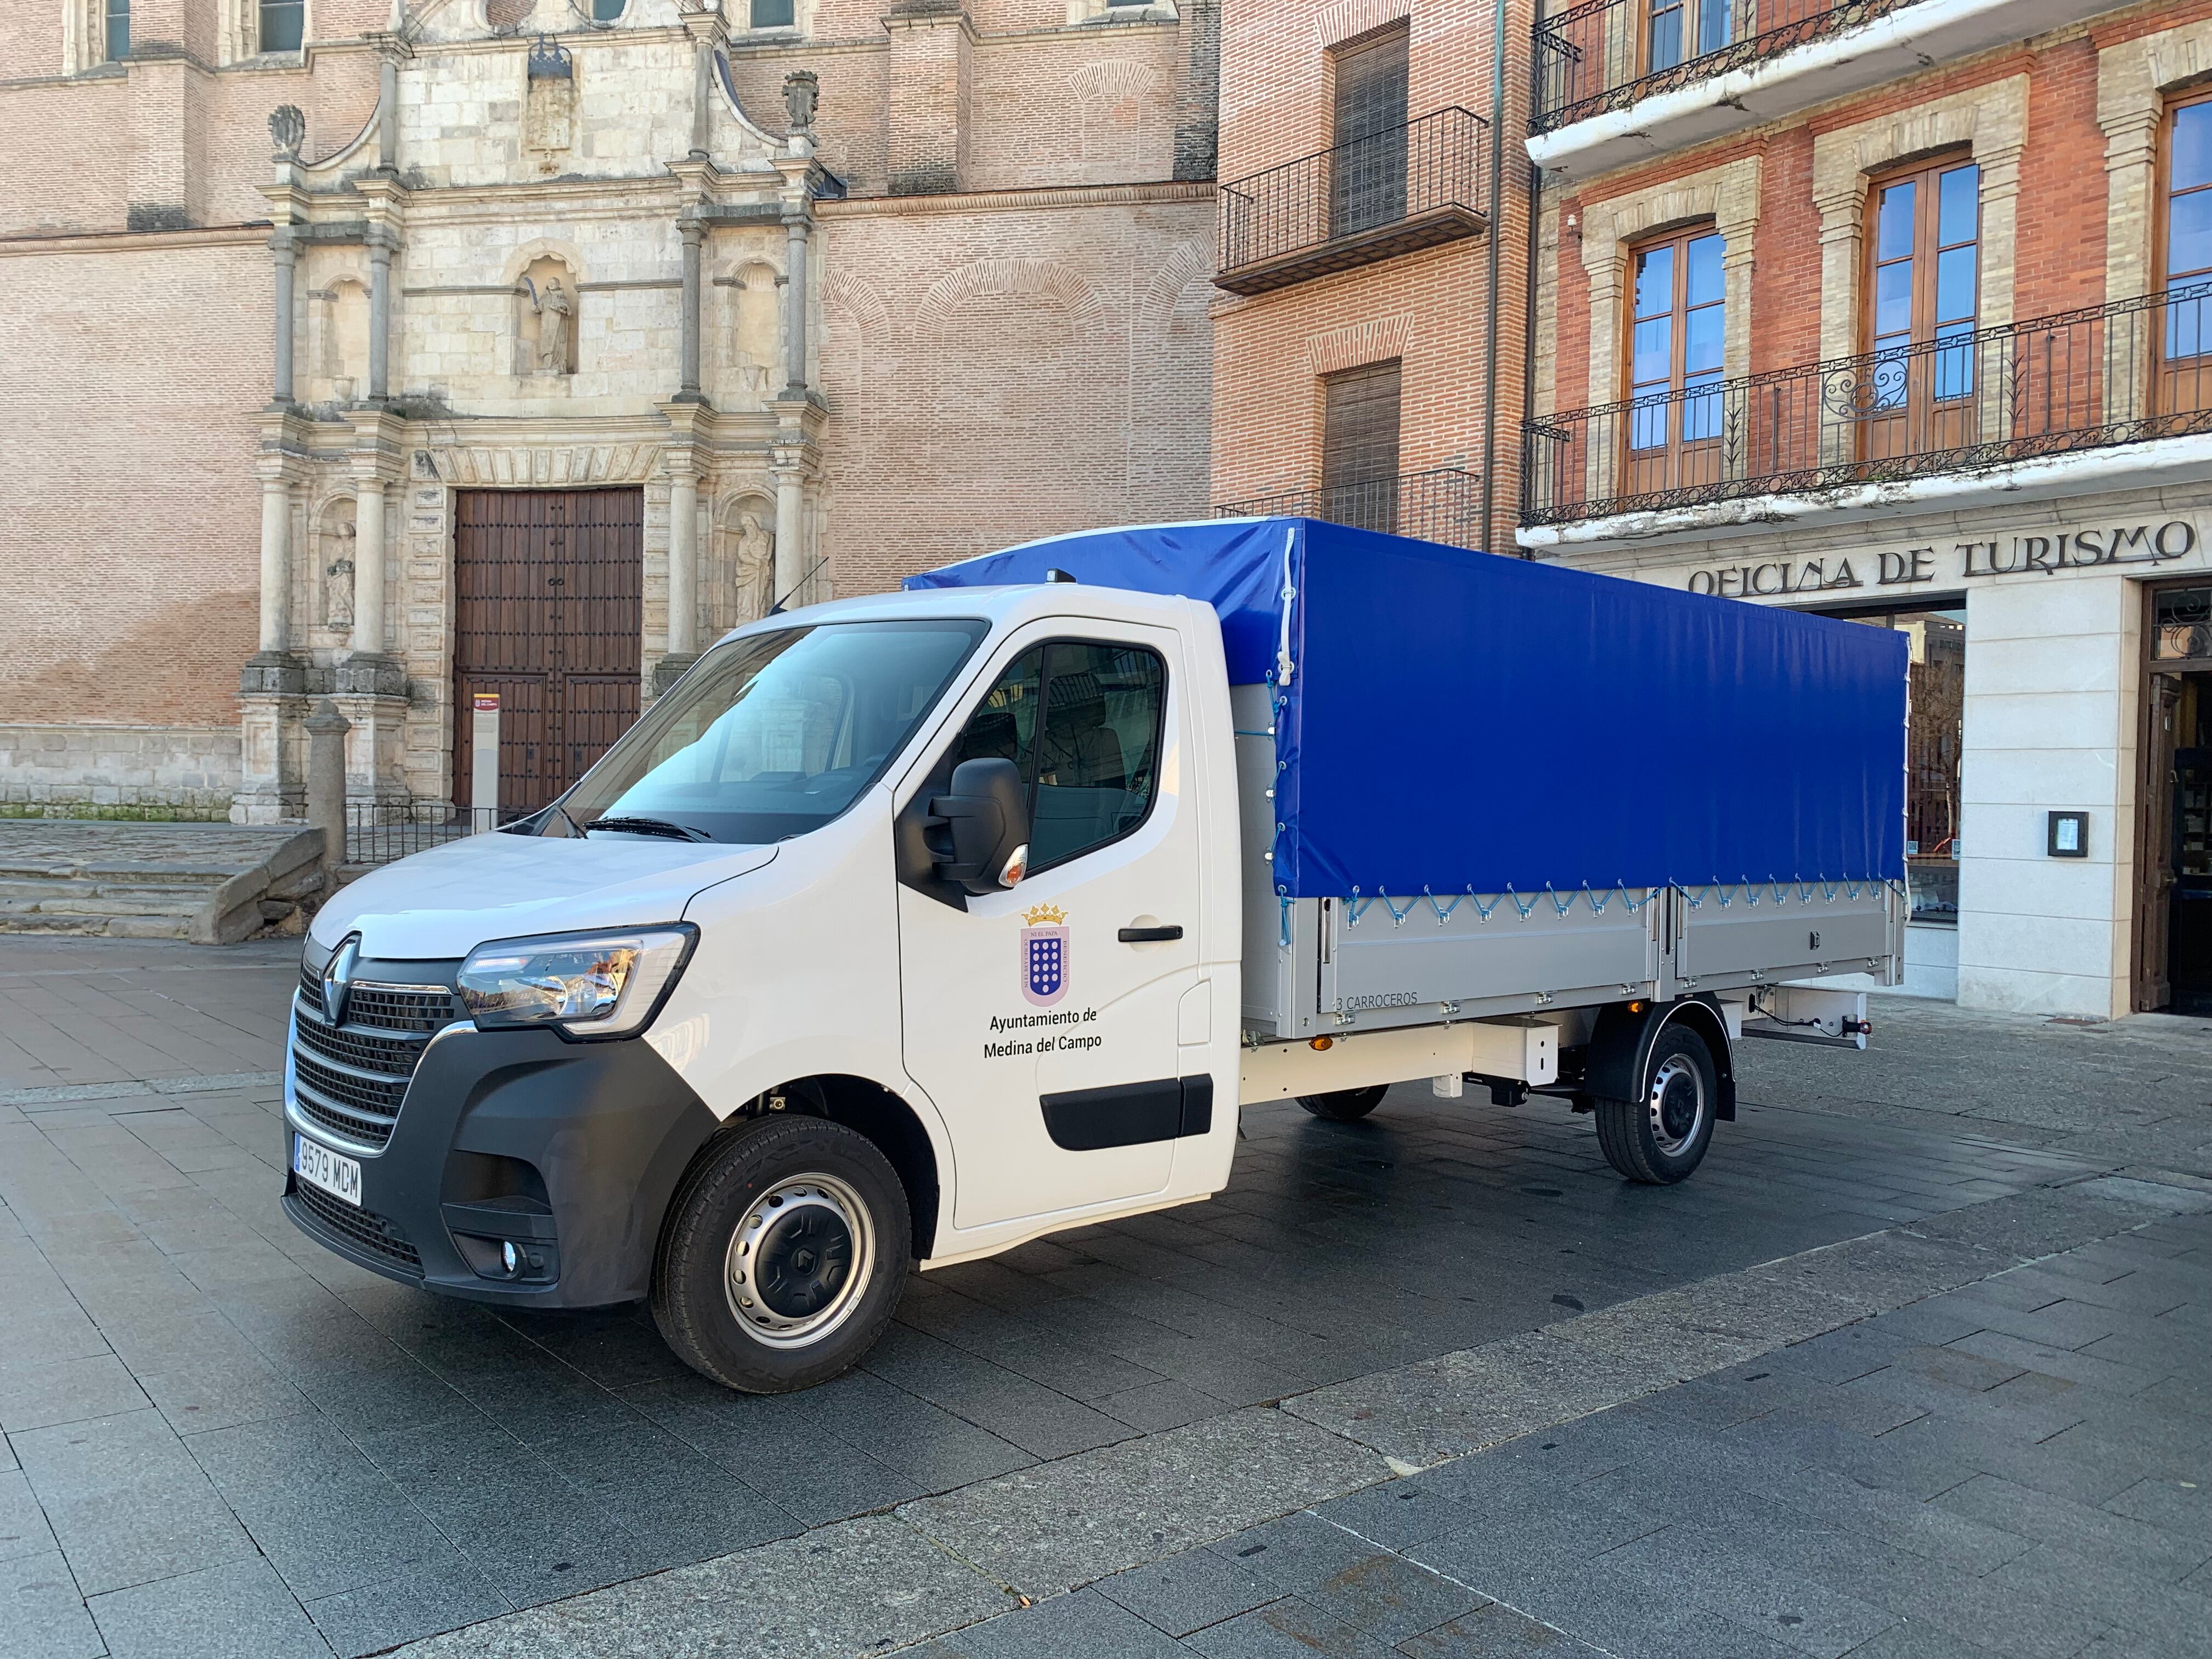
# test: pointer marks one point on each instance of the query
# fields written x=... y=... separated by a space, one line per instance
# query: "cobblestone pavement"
x=1914 y=1365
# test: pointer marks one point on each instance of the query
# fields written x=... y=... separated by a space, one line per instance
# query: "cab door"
x=1042 y=1020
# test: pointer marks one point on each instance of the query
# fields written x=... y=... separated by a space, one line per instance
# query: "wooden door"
x=2155 y=875
x=1360 y=446
x=2183 y=318
x=1923 y=302
x=1677 y=31
x=1677 y=329
x=549 y=589
x=1367 y=177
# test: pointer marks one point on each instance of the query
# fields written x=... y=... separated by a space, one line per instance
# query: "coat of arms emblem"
x=1044 y=955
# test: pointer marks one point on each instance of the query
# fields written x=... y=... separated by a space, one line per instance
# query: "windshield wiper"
x=630 y=826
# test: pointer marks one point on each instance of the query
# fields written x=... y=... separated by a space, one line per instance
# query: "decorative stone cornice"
x=544 y=466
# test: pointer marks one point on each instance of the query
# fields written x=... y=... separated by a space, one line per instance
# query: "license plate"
x=319 y=1166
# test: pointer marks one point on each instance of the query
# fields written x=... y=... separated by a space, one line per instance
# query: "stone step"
x=212 y=884
x=96 y=927
x=93 y=900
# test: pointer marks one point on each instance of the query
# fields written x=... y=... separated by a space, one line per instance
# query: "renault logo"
x=338 y=978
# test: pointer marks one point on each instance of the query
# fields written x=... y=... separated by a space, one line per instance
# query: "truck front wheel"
x=1345 y=1105
x=785 y=1251
x=1662 y=1137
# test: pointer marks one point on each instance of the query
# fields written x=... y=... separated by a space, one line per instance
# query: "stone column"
x=388 y=112
x=370 y=686
x=684 y=564
x=369 y=568
x=693 y=233
x=380 y=315
x=287 y=256
x=271 y=681
x=275 y=566
x=790 y=533
x=794 y=299
x=702 y=90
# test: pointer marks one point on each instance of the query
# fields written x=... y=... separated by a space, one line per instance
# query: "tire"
x=746 y=1286
x=1660 y=1138
x=1345 y=1105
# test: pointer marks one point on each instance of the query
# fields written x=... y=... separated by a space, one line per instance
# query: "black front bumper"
x=567 y=1152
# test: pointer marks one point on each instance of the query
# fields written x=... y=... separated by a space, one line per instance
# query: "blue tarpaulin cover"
x=1450 y=721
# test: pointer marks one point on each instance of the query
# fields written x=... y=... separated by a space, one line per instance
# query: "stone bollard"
x=326 y=784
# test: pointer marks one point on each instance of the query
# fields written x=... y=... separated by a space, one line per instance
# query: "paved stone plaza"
x=1914 y=1366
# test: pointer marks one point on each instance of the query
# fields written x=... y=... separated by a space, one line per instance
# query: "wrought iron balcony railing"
x=2118 y=373
x=1441 y=505
x=1607 y=54
x=1373 y=197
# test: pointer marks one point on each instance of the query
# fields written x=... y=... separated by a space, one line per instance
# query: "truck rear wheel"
x=1662 y=1137
x=1345 y=1105
x=785 y=1251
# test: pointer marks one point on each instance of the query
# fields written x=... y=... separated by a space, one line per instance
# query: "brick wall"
x=996 y=374
x=129 y=516
x=1428 y=307
x=2061 y=260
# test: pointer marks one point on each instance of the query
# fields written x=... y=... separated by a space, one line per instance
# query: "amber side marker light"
x=1634 y=1007
x=1324 y=1042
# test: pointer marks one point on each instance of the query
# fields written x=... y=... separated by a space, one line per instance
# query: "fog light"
x=509 y=1258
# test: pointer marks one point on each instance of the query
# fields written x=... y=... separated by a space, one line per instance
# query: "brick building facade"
x=1891 y=311
x=1367 y=217
x=555 y=338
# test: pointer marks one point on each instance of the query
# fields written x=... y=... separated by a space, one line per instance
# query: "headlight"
x=587 y=985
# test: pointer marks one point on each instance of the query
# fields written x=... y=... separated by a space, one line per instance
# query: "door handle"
x=1147 y=935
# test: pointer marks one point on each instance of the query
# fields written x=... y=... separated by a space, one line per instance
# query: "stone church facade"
x=520 y=347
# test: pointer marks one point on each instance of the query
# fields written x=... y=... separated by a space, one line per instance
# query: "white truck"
x=907 y=928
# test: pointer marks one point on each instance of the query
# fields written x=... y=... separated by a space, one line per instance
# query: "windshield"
x=774 y=734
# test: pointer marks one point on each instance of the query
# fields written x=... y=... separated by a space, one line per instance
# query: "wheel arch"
x=1620 y=1046
x=884 y=1118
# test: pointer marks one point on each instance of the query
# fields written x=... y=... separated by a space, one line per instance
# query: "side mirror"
x=988 y=813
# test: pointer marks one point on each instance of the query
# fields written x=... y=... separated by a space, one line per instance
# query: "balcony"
x=1443 y=504
x=1378 y=195
x=2017 y=407
x=1618 y=81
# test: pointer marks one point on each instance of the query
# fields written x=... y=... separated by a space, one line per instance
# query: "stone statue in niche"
x=754 y=572
x=337 y=580
x=554 y=310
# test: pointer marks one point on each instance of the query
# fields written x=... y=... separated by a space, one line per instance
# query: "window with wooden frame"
x=1677 y=329
x=1368 y=150
x=2183 y=238
x=1923 y=286
x=1676 y=31
x=1360 y=446
x=282 y=25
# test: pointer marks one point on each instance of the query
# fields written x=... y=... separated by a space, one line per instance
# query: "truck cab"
x=735 y=946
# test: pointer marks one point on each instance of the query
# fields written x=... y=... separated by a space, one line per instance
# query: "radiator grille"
x=351 y=1078
x=394 y=1056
